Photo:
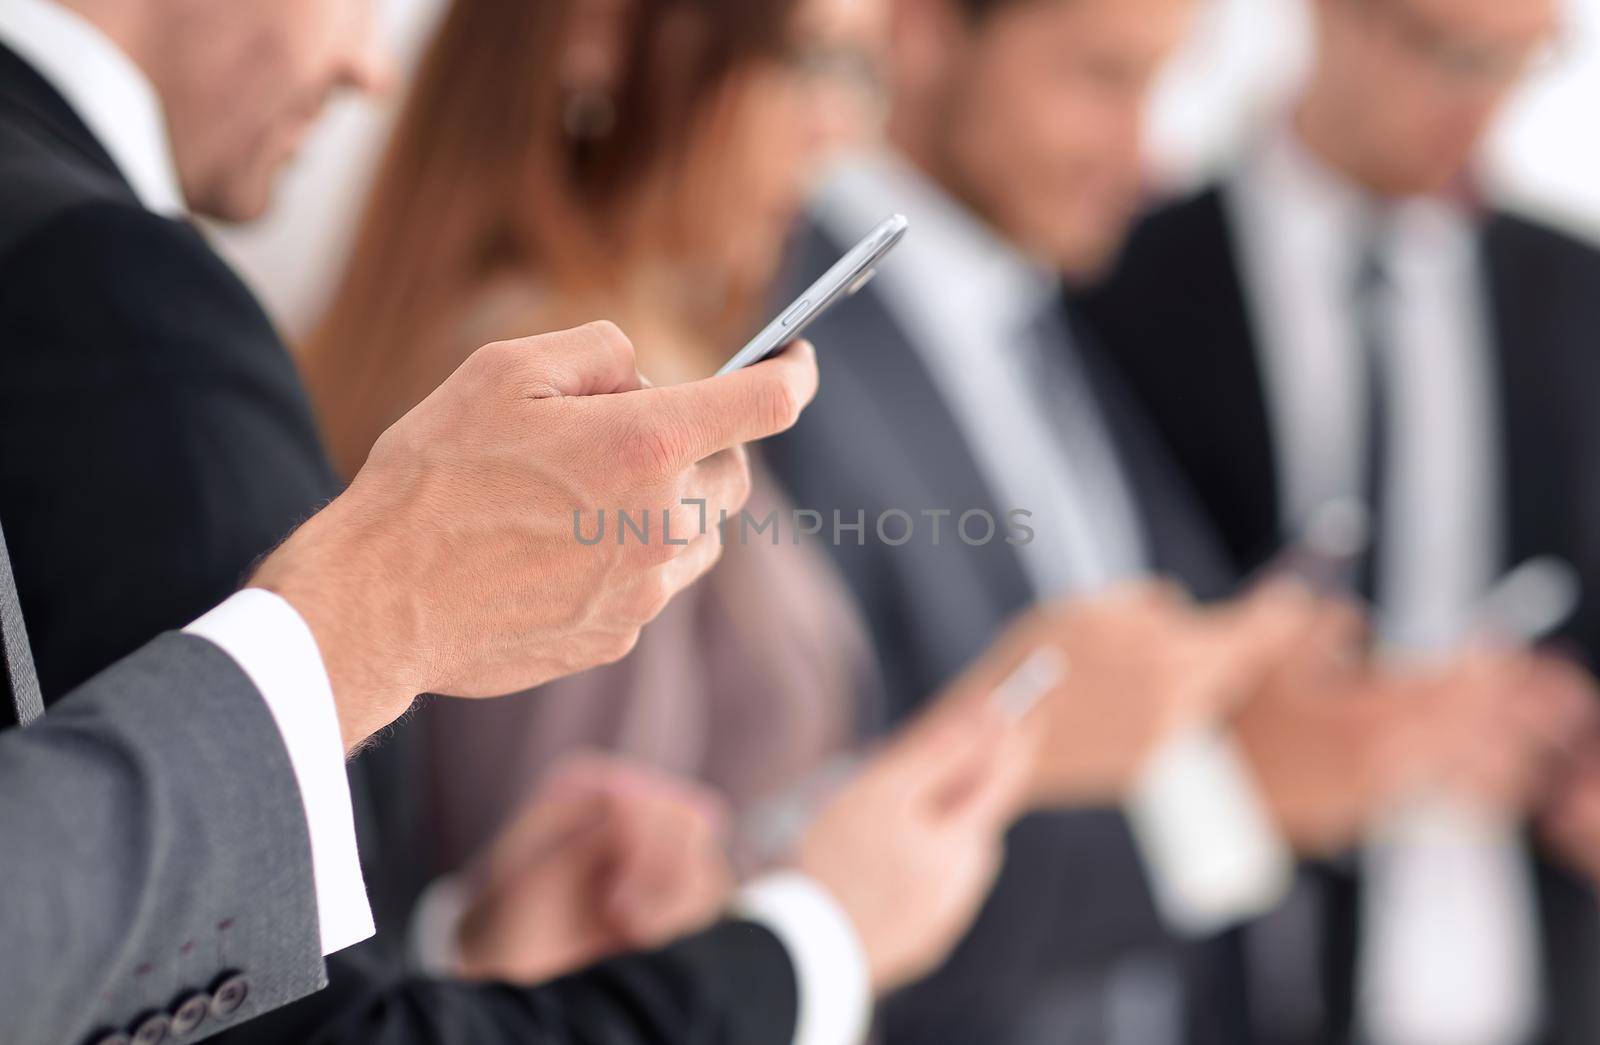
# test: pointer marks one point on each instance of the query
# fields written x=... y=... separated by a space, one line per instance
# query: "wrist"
x=371 y=674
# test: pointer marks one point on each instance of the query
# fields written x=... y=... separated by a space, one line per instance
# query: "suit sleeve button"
x=229 y=993
x=152 y=1030
x=190 y=1012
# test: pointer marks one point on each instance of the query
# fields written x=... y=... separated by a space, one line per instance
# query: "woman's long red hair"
x=481 y=179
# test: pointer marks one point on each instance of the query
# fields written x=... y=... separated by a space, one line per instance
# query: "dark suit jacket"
x=1072 y=896
x=1175 y=320
x=157 y=442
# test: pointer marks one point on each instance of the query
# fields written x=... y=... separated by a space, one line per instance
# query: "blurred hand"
x=1313 y=732
x=1334 y=740
x=1570 y=821
x=1494 y=728
x=606 y=857
x=1142 y=661
x=452 y=565
x=911 y=845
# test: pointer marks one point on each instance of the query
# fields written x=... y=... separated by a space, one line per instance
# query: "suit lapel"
x=914 y=409
x=1522 y=306
x=38 y=106
x=1541 y=293
x=1179 y=285
x=1180 y=539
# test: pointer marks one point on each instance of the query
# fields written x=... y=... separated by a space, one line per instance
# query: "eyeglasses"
x=823 y=63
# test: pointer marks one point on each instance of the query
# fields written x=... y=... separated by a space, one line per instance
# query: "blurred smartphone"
x=1035 y=678
x=848 y=275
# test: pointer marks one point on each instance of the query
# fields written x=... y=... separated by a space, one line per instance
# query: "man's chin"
x=234 y=208
x=1082 y=260
x=241 y=199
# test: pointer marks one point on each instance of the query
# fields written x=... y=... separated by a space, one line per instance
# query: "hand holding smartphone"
x=848 y=275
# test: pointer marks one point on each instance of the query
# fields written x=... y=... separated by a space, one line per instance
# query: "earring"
x=589 y=114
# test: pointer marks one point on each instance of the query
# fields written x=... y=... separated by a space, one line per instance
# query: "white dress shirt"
x=964 y=298
x=274 y=647
x=1449 y=953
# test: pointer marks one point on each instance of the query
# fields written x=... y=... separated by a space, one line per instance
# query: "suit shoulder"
x=1173 y=227
x=99 y=233
x=107 y=279
x=1198 y=206
x=39 y=182
x=1526 y=239
x=1180 y=245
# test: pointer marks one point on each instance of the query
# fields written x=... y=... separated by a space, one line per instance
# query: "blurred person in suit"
x=958 y=380
x=660 y=192
x=1073 y=935
x=1345 y=314
x=158 y=443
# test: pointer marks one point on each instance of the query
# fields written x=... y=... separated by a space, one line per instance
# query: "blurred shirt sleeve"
x=1213 y=855
x=830 y=966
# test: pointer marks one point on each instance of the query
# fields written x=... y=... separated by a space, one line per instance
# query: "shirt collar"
x=1322 y=211
x=950 y=253
x=115 y=100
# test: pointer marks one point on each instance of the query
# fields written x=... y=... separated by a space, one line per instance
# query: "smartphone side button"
x=796 y=312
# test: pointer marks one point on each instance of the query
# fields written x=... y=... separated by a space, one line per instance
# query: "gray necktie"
x=18 y=680
x=1369 y=293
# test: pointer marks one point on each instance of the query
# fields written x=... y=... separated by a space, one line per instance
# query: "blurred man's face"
x=242 y=82
x=1044 y=120
x=1410 y=86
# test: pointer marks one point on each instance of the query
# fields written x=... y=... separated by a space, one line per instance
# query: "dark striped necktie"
x=19 y=683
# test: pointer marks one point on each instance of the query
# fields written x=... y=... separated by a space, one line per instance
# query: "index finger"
x=691 y=422
x=594 y=359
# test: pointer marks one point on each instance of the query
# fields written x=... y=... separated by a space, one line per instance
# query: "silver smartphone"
x=848 y=275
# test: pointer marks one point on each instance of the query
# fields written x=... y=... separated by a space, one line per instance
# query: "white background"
x=1245 y=56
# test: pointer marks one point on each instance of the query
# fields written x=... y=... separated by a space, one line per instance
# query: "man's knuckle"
x=656 y=448
x=500 y=357
x=777 y=406
x=608 y=335
x=620 y=644
x=650 y=598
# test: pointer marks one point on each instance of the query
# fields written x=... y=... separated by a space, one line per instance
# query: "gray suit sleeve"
x=153 y=855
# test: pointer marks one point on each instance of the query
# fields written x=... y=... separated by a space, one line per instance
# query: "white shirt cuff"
x=830 y=968
x=275 y=649
x=1212 y=852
